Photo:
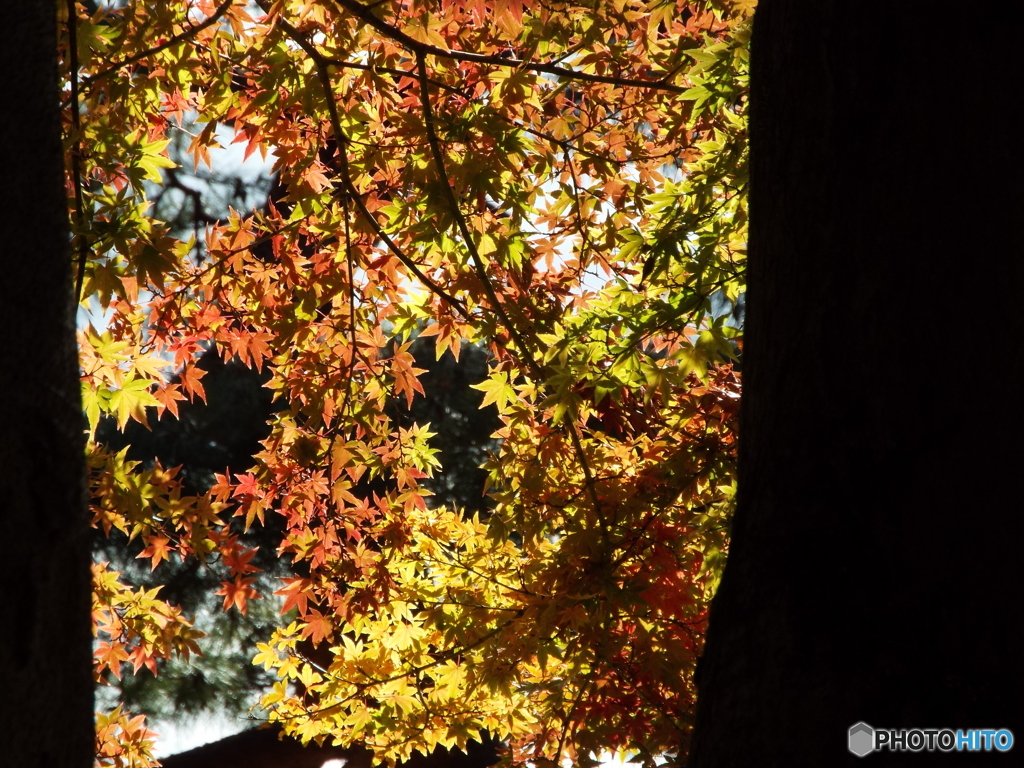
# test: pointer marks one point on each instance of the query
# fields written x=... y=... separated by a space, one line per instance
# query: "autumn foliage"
x=559 y=182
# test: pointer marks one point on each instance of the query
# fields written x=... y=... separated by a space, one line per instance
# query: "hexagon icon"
x=862 y=739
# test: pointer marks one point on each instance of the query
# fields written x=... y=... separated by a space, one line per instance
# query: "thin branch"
x=170 y=42
x=351 y=312
x=454 y=558
x=588 y=475
x=341 y=139
x=345 y=64
x=481 y=271
x=76 y=148
x=460 y=220
x=440 y=658
x=578 y=210
x=585 y=687
x=365 y=14
x=566 y=144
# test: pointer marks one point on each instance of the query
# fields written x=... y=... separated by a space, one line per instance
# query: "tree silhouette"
x=874 y=570
x=45 y=666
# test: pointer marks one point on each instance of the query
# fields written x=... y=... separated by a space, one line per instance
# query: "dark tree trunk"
x=876 y=569
x=45 y=648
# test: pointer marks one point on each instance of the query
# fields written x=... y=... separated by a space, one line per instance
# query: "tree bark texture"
x=875 y=572
x=46 y=646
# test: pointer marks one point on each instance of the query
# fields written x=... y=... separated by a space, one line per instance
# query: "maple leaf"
x=190 y=380
x=496 y=390
x=406 y=375
x=168 y=397
x=296 y=595
x=317 y=627
x=237 y=560
x=158 y=549
x=131 y=400
x=247 y=486
x=110 y=655
x=237 y=592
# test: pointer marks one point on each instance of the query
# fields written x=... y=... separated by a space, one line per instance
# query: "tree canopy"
x=559 y=184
